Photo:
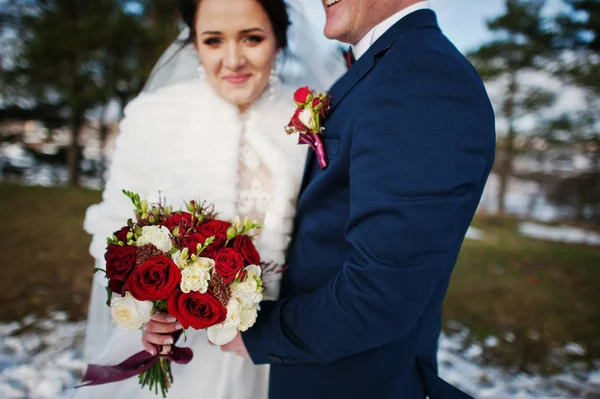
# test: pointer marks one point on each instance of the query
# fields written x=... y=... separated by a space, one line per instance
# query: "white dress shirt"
x=375 y=33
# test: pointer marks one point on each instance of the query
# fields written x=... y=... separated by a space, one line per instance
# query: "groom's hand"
x=236 y=346
x=158 y=331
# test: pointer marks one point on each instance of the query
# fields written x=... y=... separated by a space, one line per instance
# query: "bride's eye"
x=254 y=39
x=212 y=41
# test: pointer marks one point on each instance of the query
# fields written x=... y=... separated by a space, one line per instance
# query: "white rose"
x=195 y=278
x=253 y=271
x=251 y=287
x=158 y=236
x=248 y=317
x=179 y=260
x=129 y=313
x=234 y=309
x=220 y=335
x=247 y=298
x=204 y=263
x=307 y=118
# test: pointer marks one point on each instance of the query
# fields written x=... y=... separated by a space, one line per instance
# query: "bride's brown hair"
x=276 y=11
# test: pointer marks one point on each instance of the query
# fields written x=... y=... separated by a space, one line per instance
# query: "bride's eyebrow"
x=211 y=32
x=245 y=31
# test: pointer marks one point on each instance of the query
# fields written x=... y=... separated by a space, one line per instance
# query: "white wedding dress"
x=184 y=142
x=181 y=141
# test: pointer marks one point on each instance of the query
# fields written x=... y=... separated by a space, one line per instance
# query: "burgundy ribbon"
x=135 y=365
x=315 y=141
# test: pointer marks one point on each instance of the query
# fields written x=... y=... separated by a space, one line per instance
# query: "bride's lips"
x=238 y=78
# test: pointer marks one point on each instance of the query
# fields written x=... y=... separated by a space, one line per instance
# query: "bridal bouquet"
x=203 y=271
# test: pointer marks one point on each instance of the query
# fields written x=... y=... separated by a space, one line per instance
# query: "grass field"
x=537 y=296
x=44 y=258
x=534 y=296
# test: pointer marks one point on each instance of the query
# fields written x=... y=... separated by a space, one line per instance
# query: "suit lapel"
x=364 y=65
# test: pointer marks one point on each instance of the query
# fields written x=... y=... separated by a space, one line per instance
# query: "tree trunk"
x=103 y=136
x=505 y=169
x=73 y=154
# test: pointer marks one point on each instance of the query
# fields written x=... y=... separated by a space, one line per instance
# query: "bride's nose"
x=234 y=57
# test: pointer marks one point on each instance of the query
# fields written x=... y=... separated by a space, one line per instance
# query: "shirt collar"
x=377 y=31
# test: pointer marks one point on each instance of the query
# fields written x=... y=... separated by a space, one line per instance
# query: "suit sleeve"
x=419 y=153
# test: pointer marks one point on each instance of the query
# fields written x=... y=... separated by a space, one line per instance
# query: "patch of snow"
x=473 y=233
x=594 y=377
x=524 y=198
x=574 y=349
x=45 y=361
x=568 y=234
x=42 y=362
x=7 y=329
x=534 y=335
x=473 y=352
x=510 y=337
x=486 y=382
x=491 y=342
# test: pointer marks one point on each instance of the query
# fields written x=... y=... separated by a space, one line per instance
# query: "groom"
x=410 y=140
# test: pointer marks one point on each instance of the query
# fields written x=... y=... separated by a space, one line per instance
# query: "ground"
x=524 y=306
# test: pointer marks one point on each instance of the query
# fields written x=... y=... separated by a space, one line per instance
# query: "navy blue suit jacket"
x=410 y=139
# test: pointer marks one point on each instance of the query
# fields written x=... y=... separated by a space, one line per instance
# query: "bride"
x=216 y=137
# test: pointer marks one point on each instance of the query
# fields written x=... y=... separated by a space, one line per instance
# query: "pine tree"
x=520 y=44
x=578 y=48
x=76 y=56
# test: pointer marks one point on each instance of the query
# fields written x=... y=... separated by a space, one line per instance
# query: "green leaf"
x=96 y=270
x=161 y=306
x=108 y=296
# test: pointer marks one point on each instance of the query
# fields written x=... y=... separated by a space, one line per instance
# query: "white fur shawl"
x=183 y=142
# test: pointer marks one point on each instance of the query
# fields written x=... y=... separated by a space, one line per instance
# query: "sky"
x=463 y=21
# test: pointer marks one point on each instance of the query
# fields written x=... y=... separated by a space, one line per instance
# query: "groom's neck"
x=382 y=10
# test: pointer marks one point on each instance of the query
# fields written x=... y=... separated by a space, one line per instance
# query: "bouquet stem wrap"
x=135 y=365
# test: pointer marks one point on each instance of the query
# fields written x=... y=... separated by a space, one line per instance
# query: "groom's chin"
x=337 y=23
x=335 y=28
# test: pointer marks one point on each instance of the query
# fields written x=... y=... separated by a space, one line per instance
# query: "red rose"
x=181 y=219
x=119 y=261
x=227 y=263
x=117 y=286
x=196 y=310
x=301 y=95
x=296 y=122
x=191 y=243
x=122 y=234
x=216 y=228
x=154 y=280
x=244 y=246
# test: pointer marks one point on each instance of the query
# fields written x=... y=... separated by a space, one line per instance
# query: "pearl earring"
x=273 y=80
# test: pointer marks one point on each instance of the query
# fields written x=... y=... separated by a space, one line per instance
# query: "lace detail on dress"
x=255 y=184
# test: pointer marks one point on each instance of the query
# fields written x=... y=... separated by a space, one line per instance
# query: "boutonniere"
x=308 y=121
